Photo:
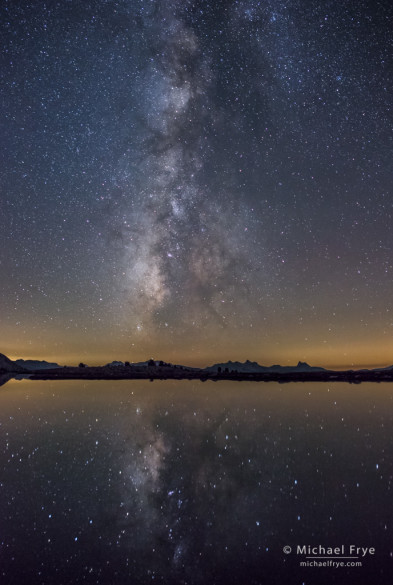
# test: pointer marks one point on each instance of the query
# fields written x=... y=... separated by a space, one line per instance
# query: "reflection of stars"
x=180 y=551
x=146 y=463
x=154 y=456
x=164 y=480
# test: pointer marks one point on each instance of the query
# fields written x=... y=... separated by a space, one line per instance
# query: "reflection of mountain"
x=254 y=367
x=4 y=378
x=7 y=365
x=37 y=365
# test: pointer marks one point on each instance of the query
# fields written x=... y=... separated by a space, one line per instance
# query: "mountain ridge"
x=250 y=367
x=36 y=364
x=22 y=366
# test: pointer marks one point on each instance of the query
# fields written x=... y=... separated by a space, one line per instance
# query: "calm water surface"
x=183 y=482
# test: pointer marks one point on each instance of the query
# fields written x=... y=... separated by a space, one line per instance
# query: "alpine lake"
x=182 y=482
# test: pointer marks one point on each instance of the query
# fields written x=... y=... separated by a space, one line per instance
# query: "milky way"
x=193 y=179
x=185 y=253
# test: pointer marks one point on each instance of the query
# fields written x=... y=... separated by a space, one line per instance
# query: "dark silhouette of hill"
x=36 y=364
x=160 y=370
x=8 y=366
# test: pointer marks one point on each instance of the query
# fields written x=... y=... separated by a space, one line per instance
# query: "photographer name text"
x=337 y=551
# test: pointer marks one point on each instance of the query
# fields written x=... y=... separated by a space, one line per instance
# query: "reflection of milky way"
x=184 y=482
x=220 y=486
x=191 y=483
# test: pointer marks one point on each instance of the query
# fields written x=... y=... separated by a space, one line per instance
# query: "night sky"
x=197 y=181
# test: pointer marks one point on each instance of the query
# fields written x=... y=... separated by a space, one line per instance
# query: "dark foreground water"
x=135 y=482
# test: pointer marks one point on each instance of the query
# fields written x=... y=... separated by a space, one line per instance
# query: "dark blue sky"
x=197 y=181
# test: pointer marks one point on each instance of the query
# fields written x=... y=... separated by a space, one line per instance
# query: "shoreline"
x=182 y=373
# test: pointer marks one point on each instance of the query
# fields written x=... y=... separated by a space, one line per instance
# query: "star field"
x=198 y=181
x=115 y=482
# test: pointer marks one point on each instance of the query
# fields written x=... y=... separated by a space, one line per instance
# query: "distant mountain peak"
x=37 y=364
x=253 y=367
x=7 y=365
